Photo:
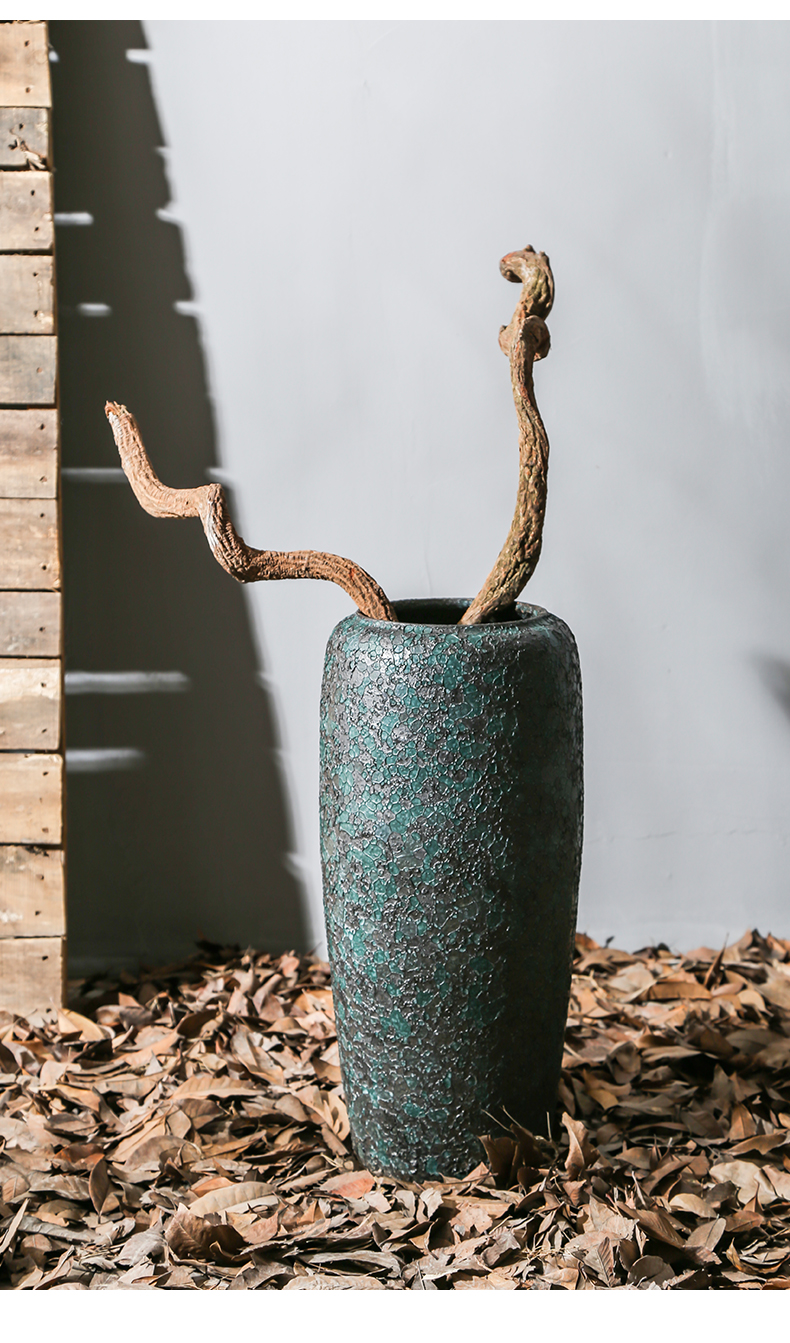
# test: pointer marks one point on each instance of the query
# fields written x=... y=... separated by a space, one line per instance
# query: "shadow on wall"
x=177 y=823
x=775 y=675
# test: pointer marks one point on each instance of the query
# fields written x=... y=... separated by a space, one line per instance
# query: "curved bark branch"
x=524 y=340
x=207 y=502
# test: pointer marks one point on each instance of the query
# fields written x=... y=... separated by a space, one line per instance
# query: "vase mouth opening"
x=444 y=611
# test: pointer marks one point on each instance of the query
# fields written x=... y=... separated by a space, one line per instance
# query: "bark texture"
x=524 y=340
x=241 y=561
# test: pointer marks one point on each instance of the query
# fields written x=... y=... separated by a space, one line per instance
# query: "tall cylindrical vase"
x=451 y=821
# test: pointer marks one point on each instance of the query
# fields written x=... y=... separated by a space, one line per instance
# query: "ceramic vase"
x=451 y=826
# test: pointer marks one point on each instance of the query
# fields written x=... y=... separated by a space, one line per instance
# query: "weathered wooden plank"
x=24 y=65
x=24 y=137
x=27 y=299
x=29 y=556
x=32 y=973
x=28 y=367
x=32 y=892
x=28 y=454
x=31 y=795
x=30 y=704
x=26 y=212
x=30 y=624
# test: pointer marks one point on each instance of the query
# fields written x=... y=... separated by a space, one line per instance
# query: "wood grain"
x=24 y=137
x=26 y=223
x=28 y=454
x=27 y=300
x=32 y=973
x=24 y=65
x=30 y=704
x=31 y=796
x=29 y=544
x=28 y=367
x=30 y=624
x=32 y=892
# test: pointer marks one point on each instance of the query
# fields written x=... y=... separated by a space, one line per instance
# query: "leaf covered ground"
x=186 y=1129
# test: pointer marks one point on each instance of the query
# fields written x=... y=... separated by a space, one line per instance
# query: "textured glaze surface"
x=451 y=817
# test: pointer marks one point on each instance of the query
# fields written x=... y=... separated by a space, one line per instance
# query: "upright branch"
x=524 y=340
x=208 y=503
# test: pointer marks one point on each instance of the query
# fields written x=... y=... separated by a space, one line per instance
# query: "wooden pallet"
x=32 y=886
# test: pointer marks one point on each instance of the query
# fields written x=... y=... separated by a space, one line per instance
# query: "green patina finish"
x=451 y=818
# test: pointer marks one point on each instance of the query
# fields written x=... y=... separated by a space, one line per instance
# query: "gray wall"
x=346 y=190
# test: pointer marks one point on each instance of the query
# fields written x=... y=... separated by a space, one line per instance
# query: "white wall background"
x=346 y=191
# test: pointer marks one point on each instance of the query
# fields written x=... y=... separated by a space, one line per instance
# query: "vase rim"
x=409 y=607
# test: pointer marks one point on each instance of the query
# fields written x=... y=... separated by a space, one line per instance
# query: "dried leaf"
x=192 y=1237
x=99 y=1188
x=8 y=1236
x=613 y=1224
x=742 y=1124
x=632 y=981
x=502 y=1154
x=218 y=1087
x=649 y=1269
x=659 y=1226
x=262 y=1231
x=292 y=1109
x=677 y=988
x=258 y=1274
x=60 y=1270
x=777 y=987
x=602 y=1260
x=742 y=1221
x=581 y=1152
x=780 y=1179
x=326 y=1072
x=747 y=1178
x=71 y=1023
x=329 y=1107
x=774 y=1055
x=473 y=1216
x=69 y=1186
x=375 y=1258
x=254 y=1059
x=232 y=1196
x=147 y=1244
x=496 y=1280
x=193 y=1023
x=351 y=1184
x=762 y=1142
x=333 y=1282
x=692 y=1203
x=706 y=1236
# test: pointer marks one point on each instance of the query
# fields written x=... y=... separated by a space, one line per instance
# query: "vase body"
x=451 y=822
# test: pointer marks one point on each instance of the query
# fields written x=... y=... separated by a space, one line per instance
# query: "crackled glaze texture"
x=451 y=820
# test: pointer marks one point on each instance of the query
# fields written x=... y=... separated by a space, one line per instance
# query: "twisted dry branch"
x=208 y=503
x=524 y=340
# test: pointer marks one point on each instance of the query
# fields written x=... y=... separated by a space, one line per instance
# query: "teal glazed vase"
x=451 y=827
